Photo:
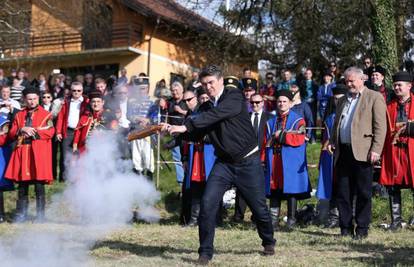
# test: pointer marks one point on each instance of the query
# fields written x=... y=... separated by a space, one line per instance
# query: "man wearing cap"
x=268 y=92
x=377 y=82
x=67 y=120
x=91 y=121
x=357 y=139
x=398 y=155
x=230 y=131
x=249 y=89
x=141 y=112
x=31 y=160
x=285 y=158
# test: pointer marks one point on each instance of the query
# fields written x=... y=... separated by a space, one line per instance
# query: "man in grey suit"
x=357 y=141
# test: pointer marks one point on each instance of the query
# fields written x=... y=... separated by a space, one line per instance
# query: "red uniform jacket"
x=390 y=152
x=87 y=123
x=62 y=118
x=32 y=162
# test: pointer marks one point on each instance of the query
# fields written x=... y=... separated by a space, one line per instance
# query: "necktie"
x=256 y=123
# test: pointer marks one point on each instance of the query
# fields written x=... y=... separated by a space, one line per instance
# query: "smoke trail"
x=101 y=193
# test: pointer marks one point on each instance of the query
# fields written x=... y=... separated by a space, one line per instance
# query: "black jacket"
x=228 y=127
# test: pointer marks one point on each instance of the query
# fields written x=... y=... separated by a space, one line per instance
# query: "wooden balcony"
x=60 y=40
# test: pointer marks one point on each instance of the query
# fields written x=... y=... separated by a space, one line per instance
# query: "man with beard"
x=230 y=131
x=31 y=160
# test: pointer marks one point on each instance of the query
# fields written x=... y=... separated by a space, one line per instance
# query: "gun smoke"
x=100 y=195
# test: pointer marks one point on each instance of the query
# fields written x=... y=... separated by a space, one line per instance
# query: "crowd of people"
x=45 y=124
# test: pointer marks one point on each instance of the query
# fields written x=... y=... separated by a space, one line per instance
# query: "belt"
x=401 y=145
x=71 y=129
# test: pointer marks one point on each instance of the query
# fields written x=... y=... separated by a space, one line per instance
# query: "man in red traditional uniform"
x=285 y=158
x=398 y=155
x=93 y=121
x=31 y=160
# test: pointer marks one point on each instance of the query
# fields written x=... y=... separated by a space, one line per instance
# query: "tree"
x=384 y=33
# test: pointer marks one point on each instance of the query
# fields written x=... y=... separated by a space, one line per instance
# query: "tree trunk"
x=384 y=35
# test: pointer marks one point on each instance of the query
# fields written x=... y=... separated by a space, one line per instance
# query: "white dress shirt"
x=74 y=112
x=123 y=121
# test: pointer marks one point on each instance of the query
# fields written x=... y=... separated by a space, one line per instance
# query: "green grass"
x=168 y=244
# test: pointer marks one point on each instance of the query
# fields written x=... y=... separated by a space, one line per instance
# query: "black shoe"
x=203 y=260
x=237 y=220
x=269 y=250
x=345 y=232
x=361 y=234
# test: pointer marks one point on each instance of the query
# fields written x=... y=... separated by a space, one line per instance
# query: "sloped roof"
x=171 y=11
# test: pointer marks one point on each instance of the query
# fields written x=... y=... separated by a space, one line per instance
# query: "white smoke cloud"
x=99 y=198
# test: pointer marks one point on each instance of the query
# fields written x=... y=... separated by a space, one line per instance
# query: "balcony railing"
x=59 y=40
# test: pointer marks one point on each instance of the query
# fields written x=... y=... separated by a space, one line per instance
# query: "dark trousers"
x=239 y=207
x=66 y=153
x=354 y=178
x=57 y=161
x=247 y=176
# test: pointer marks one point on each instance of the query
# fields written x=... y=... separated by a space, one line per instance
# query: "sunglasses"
x=255 y=102
x=188 y=99
x=77 y=91
x=333 y=65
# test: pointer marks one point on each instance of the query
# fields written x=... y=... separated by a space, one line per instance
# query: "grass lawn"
x=168 y=244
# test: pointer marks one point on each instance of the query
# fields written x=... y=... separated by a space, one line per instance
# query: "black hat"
x=340 y=89
x=378 y=69
x=402 y=76
x=231 y=81
x=95 y=94
x=328 y=73
x=141 y=81
x=249 y=83
x=31 y=90
x=285 y=93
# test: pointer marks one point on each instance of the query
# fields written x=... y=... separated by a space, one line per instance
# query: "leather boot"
x=21 y=210
x=395 y=208
x=195 y=212
x=40 y=209
x=291 y=213
x=275 y=212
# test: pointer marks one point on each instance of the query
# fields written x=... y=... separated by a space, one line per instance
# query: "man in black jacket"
x=238 y=163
